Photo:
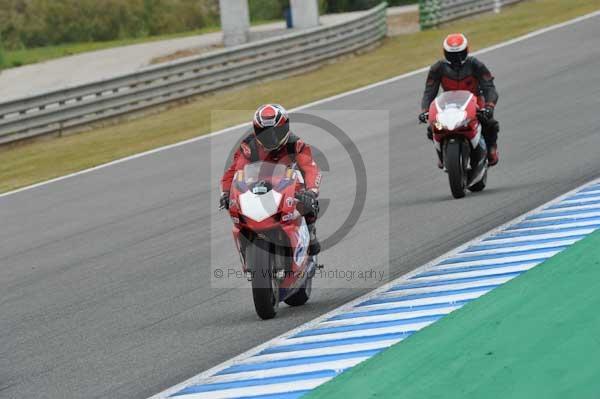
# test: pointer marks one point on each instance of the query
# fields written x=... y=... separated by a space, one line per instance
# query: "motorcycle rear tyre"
x=302 y=296
x=480 y=185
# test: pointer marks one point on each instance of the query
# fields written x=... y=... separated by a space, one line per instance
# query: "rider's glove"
x=487 y=113
x=424 y=117
x=224 y=200
x=308 y=203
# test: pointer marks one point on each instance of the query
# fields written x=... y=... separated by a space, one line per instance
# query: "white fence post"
x=497 y=6
x=305 y=13
x=235 y=21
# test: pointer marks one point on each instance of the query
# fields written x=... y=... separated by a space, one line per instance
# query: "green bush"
x=172 y=16
x=393 y=3
x=332 y=6
x=265 y=10
x=36 y=23
x=349 y=5
x=2 y=57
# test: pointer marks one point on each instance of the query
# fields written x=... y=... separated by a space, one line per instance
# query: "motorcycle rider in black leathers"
x=459 y=71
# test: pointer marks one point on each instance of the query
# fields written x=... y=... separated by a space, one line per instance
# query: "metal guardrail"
x=435 y=12
x=55 y=111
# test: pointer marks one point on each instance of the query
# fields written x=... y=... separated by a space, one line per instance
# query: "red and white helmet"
x=271 y=126
x=456 y=48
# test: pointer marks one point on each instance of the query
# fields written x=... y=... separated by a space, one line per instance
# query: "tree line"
x=39 y=23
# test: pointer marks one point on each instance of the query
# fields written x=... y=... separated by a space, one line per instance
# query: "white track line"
x=282 y=371
x=457 y=285
x=480 y=273
x=259 y=390
x=388 y=317
x=332 y=350
x=391 y=295
x=495 y=261
x=534 y=229
x=424 y=301
x=354 y=334
x=581 y=201
x=572 y=208
x=518 y=247
x=544 y=236
x=312 y=104
x=595 y=193
x=581 y=215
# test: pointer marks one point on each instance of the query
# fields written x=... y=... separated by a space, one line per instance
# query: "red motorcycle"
x=271 y=235
x=454 y=120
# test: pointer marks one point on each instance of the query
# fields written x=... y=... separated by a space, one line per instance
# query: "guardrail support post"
x=305 y=13
x=497 y=6
x=235 y=21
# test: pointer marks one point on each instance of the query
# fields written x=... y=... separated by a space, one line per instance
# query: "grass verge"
x=45 y=159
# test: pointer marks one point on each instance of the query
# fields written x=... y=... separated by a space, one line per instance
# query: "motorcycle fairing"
x=448 y=111
x=259 y=207
x=273 y=210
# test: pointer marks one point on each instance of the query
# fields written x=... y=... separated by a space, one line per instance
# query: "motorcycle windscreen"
x=453 y=99
x=264 y=171
x=451 y=108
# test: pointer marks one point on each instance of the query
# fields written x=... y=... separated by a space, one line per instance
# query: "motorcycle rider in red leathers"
x=459 y=71
x=272 y=141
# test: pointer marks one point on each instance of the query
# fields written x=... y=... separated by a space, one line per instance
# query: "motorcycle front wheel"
x=455 y=167
x=264 y=289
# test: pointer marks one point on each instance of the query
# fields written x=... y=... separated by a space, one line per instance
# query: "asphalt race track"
x=105 y=278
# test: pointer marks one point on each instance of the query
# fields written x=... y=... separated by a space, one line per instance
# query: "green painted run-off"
x=537 y=336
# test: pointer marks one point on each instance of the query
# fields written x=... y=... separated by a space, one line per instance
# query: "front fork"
x=472 y=158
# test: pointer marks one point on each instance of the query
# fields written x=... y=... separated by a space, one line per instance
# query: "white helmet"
x=456 y=49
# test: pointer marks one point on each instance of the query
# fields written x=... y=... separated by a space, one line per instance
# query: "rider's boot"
x=440 y=162
x=490 y=133
x=314 y=247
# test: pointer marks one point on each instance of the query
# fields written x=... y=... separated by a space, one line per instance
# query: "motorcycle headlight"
x=438 y=125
